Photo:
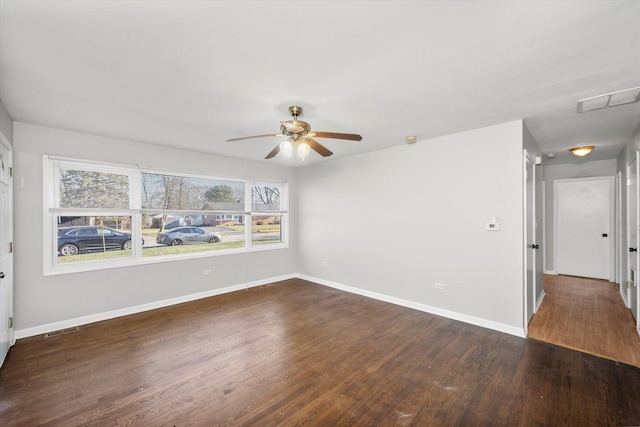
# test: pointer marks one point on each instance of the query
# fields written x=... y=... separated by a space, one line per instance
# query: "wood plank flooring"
x=295 y=353
x=587 y=315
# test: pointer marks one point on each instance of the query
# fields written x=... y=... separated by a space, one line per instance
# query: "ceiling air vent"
x=613 y=99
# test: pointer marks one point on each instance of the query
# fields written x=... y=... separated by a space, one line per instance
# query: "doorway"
x=583 y=221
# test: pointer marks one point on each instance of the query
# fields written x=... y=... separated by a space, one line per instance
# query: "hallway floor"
x=586 y=315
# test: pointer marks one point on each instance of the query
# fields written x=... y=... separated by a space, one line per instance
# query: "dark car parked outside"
x=187 y=236
x=74 y=240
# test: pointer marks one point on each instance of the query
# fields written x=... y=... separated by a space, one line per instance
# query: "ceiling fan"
x=300 y=136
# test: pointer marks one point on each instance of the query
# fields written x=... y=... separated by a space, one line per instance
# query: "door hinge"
x=628 y=285
x=10 y=172
x=10 y=247
x=10 y=322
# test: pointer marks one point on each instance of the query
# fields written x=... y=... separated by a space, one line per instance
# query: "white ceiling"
x=192 y=74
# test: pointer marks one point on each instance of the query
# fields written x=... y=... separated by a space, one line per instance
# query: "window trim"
x=52 y=209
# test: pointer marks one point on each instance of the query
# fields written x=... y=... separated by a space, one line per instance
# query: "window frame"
x=52 y=210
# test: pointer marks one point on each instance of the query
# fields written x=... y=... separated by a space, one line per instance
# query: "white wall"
x=394 y=222
x=566 y=171
x=43 y=300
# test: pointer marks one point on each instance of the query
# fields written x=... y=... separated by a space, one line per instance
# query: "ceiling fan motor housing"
x=295 y=128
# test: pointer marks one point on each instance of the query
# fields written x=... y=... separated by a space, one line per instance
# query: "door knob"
x=633 y=249
x=534 y=246
x=1 y=275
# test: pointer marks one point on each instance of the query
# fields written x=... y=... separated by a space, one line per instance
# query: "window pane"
x=266 y=229
x=93 y=190
x=92 y=238
x=167 y=192
x=265 y=198
x=189 y=234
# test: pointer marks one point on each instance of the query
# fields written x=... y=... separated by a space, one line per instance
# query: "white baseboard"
x=489 y=324
x=550 y=272
x=539 y=302
x=79 y=321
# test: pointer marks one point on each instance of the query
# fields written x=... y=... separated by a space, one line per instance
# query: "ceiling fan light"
x=286 y=148
x=582 y=151
x=303 y=150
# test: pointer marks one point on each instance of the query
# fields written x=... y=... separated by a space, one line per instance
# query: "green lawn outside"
x=257 y=228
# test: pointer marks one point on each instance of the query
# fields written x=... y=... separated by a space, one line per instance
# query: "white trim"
x=618 y=229
x=544 y=225
x=51 y=209
x=632 y=223
x=625 y=298
x=477 y=321
x=10 y=269
x=79 y=321
x=528 y=224
x=539 y=302
x=551 y=272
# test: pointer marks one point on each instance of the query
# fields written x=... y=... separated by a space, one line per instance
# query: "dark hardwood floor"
x=587 y=315
x=296 y=353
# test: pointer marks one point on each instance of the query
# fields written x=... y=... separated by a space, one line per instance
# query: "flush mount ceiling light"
x=411 y=139
x=582 y=151
x=613 y=99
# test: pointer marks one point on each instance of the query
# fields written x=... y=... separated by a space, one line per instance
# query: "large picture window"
x=103 y=216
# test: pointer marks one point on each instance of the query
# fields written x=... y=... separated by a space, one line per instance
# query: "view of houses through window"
x=109 y=213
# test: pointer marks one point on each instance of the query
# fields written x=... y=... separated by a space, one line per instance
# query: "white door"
x=6 y=255
x=583 y=227
x=632 y=235
x=530 y=232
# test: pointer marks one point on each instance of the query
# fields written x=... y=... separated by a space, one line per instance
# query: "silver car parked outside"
x=187 y=236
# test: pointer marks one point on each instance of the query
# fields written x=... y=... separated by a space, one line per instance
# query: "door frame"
x=626 y=296
x=8 y=148
x=618 y=233
x=528 y=222
x=611 y=180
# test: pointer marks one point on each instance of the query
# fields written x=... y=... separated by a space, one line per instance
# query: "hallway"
x=586 y=315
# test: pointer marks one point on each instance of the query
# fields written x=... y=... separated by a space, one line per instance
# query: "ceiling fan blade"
x=254 y=136
x=273 y=152
x=318 y=148
x=335 y=135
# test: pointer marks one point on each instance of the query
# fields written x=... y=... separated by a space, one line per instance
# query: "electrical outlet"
x=439 y=286
x=207 y=272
